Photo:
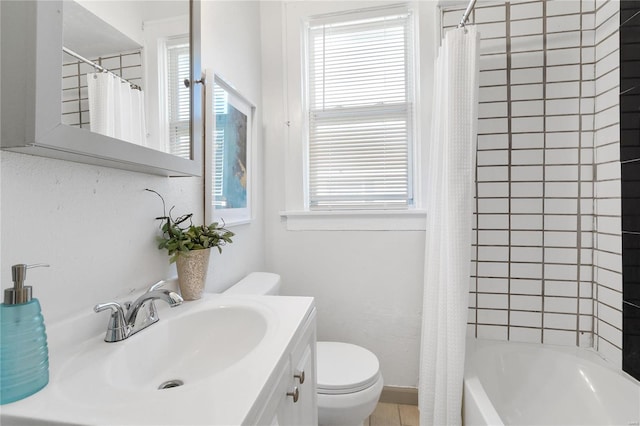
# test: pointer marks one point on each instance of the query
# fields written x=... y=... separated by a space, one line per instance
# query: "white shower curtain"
x=450 y=185
x=115 y=109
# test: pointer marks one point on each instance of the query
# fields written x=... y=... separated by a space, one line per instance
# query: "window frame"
x=295 y=214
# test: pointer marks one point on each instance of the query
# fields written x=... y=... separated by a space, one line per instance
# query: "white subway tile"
x=563 y=56
x=588 y=72
x=492 y=332
x=560 y=222
x=527 y=92
x=609 y=225
x=608 y=207
x=492 y=30
x=527 y=140
x=526 y=205
x=493 y=237
x=608 y=188
x=562 y=7
x=493 y=221
x=559 y=337
x=493 y=62
x=495 y=301
x=561 y=156
x=560 y=272
x=493 y=142
x=526 y=238
x=493 y=205
x=527 y=59
x=562 y=139
x=526 y=303
x=527 y=156
x=610 y=243
x=610 y=315
x=525 y=335
x=563 y=106
x=607 y=278
x=526 y=319
x=526 y=270
x=560 y=288
x=527 y=108
x=527 y=43
x=588 y=55
x=608 y=171
x=566 y=39
x=610 y=297
x=493 y=285
x=560 y=189
x=526 y=27
x=492 y=316
x=560 y=206
x=561 y=321
x=492 y=173
x=526 y=173
x=563 y=23
x=493 y=269
x=562 y=90
x=493 y=125
x=556 y=173
x=526 y=10
x=494 y=45
x=493 y=189
x=560 y=239
x=492 y=94
x=492 y=110
x=526 y=286
x=493 y=253
x=489 y=14
x=524 y=222
x=560 y=304
x=526 y=190
x=526 y=254
x=563 y=73
x=493 y=78
x=492 y=158
x=562 y=123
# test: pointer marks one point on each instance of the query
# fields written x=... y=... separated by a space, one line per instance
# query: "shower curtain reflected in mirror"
x=450 y=185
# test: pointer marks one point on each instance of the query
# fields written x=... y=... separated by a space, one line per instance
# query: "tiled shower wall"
x=533 y=266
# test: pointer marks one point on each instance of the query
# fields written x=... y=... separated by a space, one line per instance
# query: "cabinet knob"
x=299 y=374
x=295 y=394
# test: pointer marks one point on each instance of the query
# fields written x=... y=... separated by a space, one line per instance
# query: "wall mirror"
x=108 y=86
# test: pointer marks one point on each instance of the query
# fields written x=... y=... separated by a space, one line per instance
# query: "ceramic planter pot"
x=192 y=273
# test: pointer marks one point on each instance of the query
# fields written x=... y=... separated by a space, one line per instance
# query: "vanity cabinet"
x=293 y=399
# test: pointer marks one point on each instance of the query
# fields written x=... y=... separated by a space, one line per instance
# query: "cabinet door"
x=305 y=411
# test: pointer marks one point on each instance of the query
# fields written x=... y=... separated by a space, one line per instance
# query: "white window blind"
x=360 y=98
x=178 y=95
x=220 y=108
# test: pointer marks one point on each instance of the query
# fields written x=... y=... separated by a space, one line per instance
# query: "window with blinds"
x=360 y=89
x=178 y=97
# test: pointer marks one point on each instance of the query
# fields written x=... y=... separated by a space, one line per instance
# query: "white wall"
x=367 y=284
x=96 y=226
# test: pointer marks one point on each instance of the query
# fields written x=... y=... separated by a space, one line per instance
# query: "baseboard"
x=399 y=395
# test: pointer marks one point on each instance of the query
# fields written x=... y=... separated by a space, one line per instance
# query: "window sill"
x=356 y=220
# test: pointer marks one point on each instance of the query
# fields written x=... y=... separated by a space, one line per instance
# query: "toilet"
x=348 y=376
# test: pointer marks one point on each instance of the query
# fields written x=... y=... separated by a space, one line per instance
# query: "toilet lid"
x=345 y=368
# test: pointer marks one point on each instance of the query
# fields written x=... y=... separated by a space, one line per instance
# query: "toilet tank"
x=262 y=283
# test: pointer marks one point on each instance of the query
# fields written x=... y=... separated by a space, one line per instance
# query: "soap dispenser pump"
x=24 y=354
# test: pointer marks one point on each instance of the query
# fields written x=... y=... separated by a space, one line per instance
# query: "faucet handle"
x=157 y=285
x=117 y=329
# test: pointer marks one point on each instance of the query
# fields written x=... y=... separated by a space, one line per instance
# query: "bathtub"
x=509 y=383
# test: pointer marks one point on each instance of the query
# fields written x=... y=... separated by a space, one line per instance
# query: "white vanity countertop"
x=227 y=396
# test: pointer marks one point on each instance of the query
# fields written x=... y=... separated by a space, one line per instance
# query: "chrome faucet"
x=129 y=318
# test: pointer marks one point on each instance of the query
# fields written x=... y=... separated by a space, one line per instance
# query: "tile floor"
x=394 y=415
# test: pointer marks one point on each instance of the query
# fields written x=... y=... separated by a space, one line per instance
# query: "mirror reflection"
x=123 y=71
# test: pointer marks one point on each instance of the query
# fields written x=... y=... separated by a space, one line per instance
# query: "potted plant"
x=190 y=247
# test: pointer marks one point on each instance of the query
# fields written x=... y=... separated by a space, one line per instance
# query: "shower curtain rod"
x=98 y=67
x=467 y=12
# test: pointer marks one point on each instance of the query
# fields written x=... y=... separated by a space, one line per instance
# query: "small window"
x=360 y=98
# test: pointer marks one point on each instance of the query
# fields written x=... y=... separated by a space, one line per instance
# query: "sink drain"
x=170 y=384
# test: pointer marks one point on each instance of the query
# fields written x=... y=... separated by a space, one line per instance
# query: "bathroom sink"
x=211 y=361
x=177 y=351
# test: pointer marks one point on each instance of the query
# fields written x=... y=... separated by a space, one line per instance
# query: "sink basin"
x=225 y=352
x=179 y=351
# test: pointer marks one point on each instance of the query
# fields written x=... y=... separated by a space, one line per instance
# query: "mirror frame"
x=31 y=105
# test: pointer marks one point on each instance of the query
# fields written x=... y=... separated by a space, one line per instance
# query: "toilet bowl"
x=349 y=380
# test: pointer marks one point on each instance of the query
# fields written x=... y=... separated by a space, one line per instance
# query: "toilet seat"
x=344 y=368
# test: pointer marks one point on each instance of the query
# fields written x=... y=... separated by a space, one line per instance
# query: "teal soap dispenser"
x=24 y=355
